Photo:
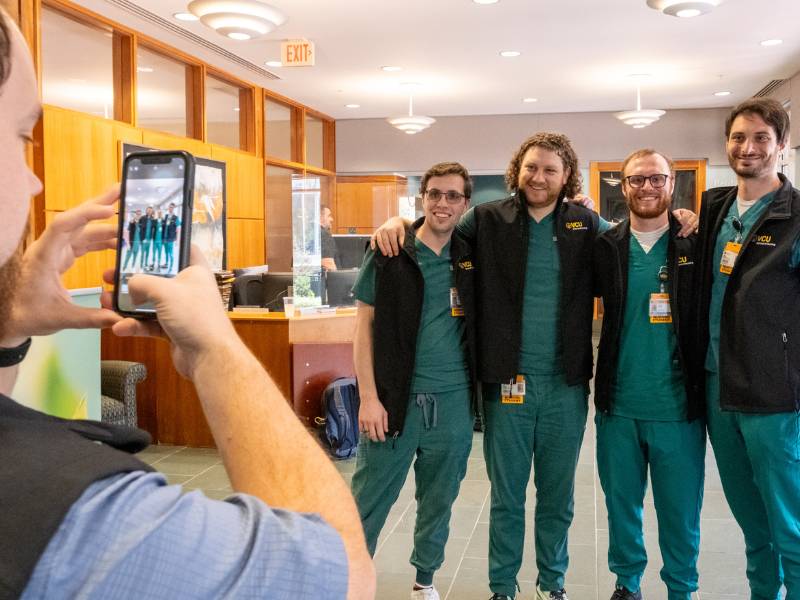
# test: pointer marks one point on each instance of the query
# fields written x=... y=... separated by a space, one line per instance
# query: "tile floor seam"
x=206 y=470
x=396 y=525
x=466 y=547
x=173 y=453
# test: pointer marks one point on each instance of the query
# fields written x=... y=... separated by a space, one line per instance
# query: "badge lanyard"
x=660 y=311
x=732 y=249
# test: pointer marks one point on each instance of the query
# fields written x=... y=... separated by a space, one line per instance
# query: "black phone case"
x=186 y=228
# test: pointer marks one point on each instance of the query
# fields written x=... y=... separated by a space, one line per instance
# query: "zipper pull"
x=785 y=338
x=394 y=439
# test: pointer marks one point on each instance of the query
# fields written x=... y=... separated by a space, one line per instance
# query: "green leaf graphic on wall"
x=58 y=396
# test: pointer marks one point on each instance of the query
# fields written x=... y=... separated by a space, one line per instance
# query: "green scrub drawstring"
x=423 y=401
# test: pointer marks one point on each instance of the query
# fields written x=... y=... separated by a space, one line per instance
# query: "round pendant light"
x=684 y=8
x=640 y=118
x=237 y=19
x=411 y=123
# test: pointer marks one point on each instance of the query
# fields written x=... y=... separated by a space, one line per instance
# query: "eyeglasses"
x=657 y=181
x=451 y=196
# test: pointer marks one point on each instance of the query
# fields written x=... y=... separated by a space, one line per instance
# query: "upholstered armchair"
x=118 y=379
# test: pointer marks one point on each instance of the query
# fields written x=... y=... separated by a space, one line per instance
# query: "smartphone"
x=155 y=222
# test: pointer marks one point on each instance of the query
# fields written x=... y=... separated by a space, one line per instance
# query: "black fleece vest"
x=501 y=250
x=399 y=290
x=611 y=253
x=759 y=347
x=46 y=463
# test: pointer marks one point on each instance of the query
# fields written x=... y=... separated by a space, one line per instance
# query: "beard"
x=9 y=276
x=649 y=211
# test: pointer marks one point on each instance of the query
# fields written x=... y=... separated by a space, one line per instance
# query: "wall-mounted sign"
x=297 y=53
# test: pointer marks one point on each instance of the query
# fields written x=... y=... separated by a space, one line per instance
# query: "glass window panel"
x=222 y=112
x=278 y=191
x=612 y=202
x=160 y=92
x=278 y=130
x=307 y=271
x=314 y=141
x=683 y=196
x=77 y=65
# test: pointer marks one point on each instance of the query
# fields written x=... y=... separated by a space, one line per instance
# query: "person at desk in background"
x=749 y=328
x=534 y=300
x=327 y=241
x=649 y=404
x=85 y=519
x=416 y=392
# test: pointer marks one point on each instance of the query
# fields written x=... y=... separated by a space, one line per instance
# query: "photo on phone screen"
x=155 y=202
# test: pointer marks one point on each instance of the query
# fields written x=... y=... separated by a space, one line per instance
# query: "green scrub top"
x=540 y=352
x=727 y=233
x=649 y=382
x=440 y=362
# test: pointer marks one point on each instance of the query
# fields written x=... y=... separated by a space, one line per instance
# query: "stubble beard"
x=9 y=277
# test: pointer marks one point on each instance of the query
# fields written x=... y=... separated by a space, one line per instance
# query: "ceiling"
x=576 y=55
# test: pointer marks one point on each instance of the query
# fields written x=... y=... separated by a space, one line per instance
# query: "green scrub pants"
x=758 y=456
x=438 y=432
x=546 y=430
x=675 y=451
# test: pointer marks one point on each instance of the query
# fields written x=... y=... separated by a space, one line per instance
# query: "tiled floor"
x=463 y=575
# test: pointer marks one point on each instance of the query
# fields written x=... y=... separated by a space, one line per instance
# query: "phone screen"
x=152 y=222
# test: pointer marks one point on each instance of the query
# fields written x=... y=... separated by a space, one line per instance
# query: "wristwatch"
x=13 y=356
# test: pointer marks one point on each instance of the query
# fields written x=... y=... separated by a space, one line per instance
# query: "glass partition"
x=77 y=65
x=160 y=92
x=314 y=141
x=277 y=130
x=222 y=112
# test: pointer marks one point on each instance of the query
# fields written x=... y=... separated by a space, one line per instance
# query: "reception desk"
x=302 y=354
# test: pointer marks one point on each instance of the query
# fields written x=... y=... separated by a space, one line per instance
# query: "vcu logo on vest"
x=576 y=226
x=765 y=240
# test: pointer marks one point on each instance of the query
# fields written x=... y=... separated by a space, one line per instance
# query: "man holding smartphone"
x=81 y=518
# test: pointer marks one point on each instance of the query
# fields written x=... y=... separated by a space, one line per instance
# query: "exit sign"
x=297 y=53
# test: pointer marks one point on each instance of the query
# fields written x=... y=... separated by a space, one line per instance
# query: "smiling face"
x=542 y=176
x=753 y=147
x=648 y=202
x=441 y=216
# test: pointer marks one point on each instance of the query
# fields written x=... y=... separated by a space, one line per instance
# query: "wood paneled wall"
x=363 y=203
x=82 y=158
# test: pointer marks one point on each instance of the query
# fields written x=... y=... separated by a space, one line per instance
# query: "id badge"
x=660 y=311
x=456 y=310
x=729 y=257
x=513 y=392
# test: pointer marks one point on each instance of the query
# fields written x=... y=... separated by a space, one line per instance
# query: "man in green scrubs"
x=649 y=411
x=416 y=393
x=749 y=248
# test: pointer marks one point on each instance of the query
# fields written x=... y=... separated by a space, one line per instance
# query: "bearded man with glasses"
x=416 y=310
x=648 y=399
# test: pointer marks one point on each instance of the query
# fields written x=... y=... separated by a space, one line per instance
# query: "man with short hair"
x=416 y=393
x=749 y=311
x=134 y=239
x=147 y=227
x=83 y=518
x=327 y=241
x=649 y=406
x=171 y=225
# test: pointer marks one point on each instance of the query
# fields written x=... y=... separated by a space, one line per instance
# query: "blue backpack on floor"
x=340 y=403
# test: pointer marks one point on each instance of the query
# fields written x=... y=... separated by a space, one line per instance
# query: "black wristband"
x=13 y=356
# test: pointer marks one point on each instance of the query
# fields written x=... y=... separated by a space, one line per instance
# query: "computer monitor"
x=350 y=249
x=276 y=286
x=248 y=290
x=339 y=285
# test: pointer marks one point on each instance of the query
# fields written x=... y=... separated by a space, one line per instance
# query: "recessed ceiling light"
x=274 y=63
x=144 y=69
x=509 y=53
x=639 y=76
x=237 y=109
x=685 y=9
x=238 y=35
x=352 y=106
x=724 y=93
x=530 y=99
x=184 y=16
x=391 y=68
x=771 y=42
x=486 y=1
x=411 y=85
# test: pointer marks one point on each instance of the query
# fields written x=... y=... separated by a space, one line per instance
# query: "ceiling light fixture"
x=391 y=68
x=144 y=69
x=185 y=16
x=530 y=99
x=486 y=1
x=509 y=53
x=412 y=123
x=237 y=19
x=274 y=63
x=685 y=9
x=640 y=118
x=771 y=42
x=352 y=106
x=724 y=93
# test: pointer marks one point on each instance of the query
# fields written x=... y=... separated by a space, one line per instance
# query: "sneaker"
x=501 y=597
x=551 y=595
x=429 y=593
x=623 y=593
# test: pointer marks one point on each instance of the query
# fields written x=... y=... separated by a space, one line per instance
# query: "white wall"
x=484 y=144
